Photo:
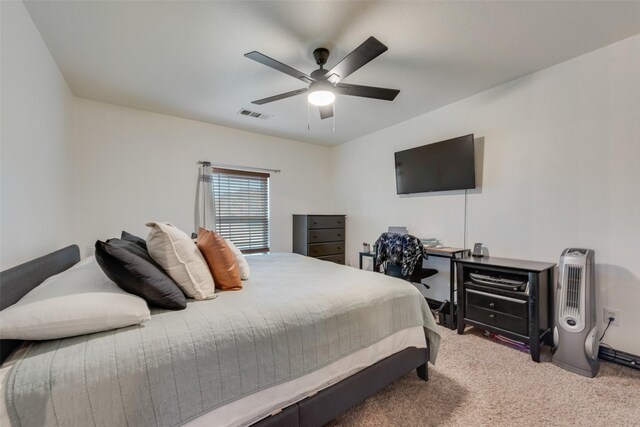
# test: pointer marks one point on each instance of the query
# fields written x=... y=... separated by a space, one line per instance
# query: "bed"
x=300 y=344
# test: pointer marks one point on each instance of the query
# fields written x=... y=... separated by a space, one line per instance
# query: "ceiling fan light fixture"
x=321 y=98
x=321 y=93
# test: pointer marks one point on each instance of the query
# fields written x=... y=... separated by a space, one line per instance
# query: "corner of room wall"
x=37 y=212
x=560 y=150
x=76 y=170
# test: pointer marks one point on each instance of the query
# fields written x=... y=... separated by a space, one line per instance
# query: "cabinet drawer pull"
x=491 y=305
x=339 y=248
x=491 y=316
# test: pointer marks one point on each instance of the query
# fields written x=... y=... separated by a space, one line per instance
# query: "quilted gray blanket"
x=295 y=315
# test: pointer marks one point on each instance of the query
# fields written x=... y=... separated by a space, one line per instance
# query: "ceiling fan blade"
x=367 y=91
x=370 y=49
x=326 y=111
x=276 y=65
x=280 y=96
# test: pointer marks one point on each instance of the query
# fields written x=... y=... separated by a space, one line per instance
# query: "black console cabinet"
x=525 y=316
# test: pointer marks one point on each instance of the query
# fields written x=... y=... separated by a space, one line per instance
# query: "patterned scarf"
x=399 y=249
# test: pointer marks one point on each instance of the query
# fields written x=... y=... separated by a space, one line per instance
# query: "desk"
x=371 y=255
x=453 y=254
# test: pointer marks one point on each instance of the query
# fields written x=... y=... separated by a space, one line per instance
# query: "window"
x=242 y=208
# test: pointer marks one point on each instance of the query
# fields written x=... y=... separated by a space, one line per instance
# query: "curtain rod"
x=250 y=168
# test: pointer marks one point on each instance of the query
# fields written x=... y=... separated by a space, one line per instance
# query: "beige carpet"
x=479 y=382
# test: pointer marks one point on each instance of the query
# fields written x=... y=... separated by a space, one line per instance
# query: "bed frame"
x=18 y=281
x=315 y=410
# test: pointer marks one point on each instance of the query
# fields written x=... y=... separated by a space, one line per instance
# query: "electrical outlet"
x=611 y=312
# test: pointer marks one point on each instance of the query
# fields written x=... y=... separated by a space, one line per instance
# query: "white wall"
x=36 y=205
x=561 y=153
x=134 y=166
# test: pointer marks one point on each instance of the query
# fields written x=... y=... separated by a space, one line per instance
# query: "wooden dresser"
x=320 y=236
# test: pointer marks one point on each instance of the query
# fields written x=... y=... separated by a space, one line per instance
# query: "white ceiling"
x=186 y=58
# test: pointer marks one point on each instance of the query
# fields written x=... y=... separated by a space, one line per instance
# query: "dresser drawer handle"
x=339 y=248
x=491 y=305
x=314 y=236
x=315 y=223
x=491 y=316
x=339 y=235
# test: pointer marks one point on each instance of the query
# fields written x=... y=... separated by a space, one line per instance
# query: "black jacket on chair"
x=402 y=250
x=401 y=255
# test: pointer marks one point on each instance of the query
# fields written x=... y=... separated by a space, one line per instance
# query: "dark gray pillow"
x=135 y=239
x=132 y=269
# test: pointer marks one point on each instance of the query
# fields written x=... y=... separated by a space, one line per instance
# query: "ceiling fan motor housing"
x=321 y=55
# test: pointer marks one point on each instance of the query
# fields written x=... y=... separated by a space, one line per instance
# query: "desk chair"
x=390 y=249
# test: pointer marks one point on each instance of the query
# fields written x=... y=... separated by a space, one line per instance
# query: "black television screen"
x=442 y=166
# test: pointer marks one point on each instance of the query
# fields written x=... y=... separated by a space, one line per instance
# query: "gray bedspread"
x=295 y=315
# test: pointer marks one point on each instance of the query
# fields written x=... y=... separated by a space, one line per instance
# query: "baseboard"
x=620 y=357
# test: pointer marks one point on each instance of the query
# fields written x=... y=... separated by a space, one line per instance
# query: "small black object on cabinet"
x=320 y=236
x=489 y=298
x=477 y=250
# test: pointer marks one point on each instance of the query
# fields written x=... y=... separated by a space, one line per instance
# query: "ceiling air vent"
x=254 y=114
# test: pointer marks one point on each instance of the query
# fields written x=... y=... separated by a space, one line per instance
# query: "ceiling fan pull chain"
x=308 y=125
x=334 y=116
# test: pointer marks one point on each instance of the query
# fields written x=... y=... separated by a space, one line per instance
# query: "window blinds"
x=242 y=208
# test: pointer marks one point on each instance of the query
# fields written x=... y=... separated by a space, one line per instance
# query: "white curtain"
x=205 y=205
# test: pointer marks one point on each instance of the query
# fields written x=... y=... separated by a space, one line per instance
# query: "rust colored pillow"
x=220 y=260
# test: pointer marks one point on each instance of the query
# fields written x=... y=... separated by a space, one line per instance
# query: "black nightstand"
x=521 y=313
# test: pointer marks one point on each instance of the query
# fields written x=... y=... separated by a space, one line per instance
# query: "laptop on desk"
x=398 y=229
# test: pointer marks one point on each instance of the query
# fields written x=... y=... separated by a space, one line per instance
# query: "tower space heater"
x=576 y=332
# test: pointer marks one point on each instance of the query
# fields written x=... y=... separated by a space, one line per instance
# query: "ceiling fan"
x=325 y=84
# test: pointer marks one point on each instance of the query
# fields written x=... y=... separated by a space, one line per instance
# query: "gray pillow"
x=132 y=269
x=135 y=239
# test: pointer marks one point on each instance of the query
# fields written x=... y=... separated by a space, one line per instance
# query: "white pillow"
x=181 y=259
x=242 y=263
x=78 y=301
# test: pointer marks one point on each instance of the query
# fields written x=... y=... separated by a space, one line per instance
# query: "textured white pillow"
x=242 y=263
x=78 y=301
x=181 y=259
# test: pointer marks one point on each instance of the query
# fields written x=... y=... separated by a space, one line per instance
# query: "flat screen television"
x=442 y=166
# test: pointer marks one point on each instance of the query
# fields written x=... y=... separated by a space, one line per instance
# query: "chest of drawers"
x=320 y=236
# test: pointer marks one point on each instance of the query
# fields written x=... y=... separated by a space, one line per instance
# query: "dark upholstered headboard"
x=16 y=282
